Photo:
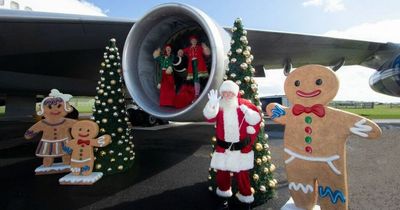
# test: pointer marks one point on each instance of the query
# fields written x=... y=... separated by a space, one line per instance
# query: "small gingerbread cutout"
x=315 y=138
x=84 y=135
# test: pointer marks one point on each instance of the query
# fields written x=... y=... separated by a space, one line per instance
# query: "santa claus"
x=237 y=125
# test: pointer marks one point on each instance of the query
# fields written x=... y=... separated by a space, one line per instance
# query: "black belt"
x=233 y=146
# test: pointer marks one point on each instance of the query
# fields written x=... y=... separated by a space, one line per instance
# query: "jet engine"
x=154 y=30
x=387 y=79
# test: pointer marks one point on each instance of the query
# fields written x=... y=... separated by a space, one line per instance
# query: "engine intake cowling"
x=152 y=32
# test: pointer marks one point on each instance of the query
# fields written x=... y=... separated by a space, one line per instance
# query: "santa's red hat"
x=229 y=86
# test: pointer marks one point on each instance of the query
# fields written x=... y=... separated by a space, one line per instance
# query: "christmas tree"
x=110 y=114
x=241 y=72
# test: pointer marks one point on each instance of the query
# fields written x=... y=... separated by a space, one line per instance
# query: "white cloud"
x=354 y=80
x=312 y=3
x=327 y=5
x=381 y=31
x=80 y=7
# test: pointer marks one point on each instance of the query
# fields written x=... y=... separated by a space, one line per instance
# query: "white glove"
x=213 y=98
x=156 y=53
x=244 y=108
x=158 y=86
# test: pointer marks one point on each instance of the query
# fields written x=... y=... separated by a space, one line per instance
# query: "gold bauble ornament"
x=102 y=153
x=259 y=147
x=256 y=177
x=120 y=130
x=263 y=188
x=247 y=78
x=272 y=184
x=272 y=167
x=120 y=167
x=258 y=161
x=112 y=160
x=241 y=92
x=110 y=100
x=113 y=82
x=264 y=158
x=210 y=188
x=109 y=169
x=262 y=124
x=266 y=170
x=98 y=166
x=104 y=120
x=101 y=91
x=214 y=139
x=209 y=177
x=102 y=130
x=266 y=146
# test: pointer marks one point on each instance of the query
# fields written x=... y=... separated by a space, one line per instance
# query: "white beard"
x=231 y=122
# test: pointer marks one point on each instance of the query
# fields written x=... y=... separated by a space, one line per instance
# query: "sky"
x=370 y=20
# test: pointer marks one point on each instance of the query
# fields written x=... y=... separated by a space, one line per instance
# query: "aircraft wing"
x=48 y=50
x=271 y=49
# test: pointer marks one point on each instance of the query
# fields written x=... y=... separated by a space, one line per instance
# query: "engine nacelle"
x=387 y=79
x=152 y=32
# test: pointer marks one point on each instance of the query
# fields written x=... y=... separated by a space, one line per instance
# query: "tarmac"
x=171 y=169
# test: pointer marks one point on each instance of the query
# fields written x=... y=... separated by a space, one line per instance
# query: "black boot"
x=223 y=204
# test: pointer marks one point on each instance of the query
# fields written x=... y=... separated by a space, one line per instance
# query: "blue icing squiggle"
x=277 y=111
x=66 y=149
x=334 y=196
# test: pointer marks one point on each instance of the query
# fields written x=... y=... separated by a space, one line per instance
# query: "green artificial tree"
x=110 y=114
x=241 y=72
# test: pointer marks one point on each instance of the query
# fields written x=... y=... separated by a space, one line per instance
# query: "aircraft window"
x=14 y=5
x=1 y=2
x=28 y=9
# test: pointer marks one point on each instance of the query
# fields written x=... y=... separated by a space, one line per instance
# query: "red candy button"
x=308 y=149
x=308 y=130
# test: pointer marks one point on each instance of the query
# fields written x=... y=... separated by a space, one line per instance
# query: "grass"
x=378 y=112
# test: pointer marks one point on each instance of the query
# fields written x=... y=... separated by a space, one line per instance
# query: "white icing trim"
x=328 y=160
x=52 y=141
x=306 y=188
x=225 y=194
x=56 y=148
x=75 y=169
x=244 y=198
x=101 y=141
x=44 y=148
x=360 y=129
x=80 y=161
x=233 y=161
x=250 y=130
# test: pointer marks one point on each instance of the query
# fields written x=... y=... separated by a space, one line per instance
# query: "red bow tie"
x=80 y=141
x=317 y=109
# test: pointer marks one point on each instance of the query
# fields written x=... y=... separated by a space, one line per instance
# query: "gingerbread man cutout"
x=55 y=128
x=84 y=134
x=315 y=138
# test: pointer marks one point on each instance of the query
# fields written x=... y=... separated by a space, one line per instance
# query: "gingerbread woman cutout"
x=84 y=135
x=315 y=138
x=55 y=128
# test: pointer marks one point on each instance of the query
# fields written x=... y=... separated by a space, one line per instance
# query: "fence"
x=353 y=105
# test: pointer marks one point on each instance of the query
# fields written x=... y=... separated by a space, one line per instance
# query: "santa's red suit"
x=237 y=127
